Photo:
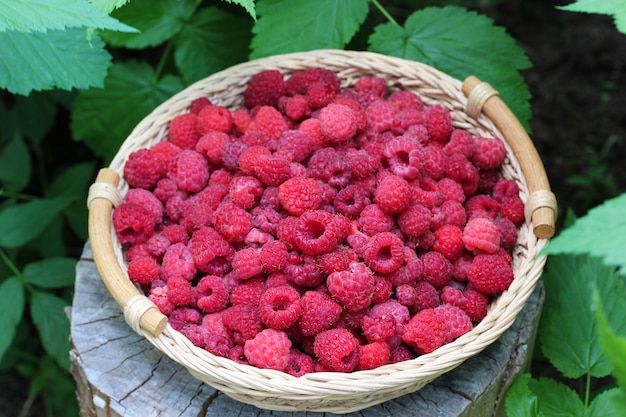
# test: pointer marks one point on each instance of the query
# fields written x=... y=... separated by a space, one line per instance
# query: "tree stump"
x=119 y=373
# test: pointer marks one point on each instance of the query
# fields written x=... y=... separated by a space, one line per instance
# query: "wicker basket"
x=483 y=113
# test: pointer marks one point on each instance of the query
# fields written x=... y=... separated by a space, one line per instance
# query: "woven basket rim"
x=335 y=391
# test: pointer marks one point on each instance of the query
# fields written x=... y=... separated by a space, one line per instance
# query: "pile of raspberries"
x=318 y=227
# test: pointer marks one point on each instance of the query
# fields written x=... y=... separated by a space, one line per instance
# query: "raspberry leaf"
x=62 y=59
x=107 y=6
x=103 y=117
x=200 y=50
x=246 y=4
x=12 y=302
x=607 y=404
x=616 y=9
x=556 y=399
x=326 y=24
x=520 y=400
x=46 y=15
x=30 y=117
x=15 y=166
x=48 y=314
x=601 y=232
x=157 y=22
x=461 y=43
x=568 y=332
x=51 y=272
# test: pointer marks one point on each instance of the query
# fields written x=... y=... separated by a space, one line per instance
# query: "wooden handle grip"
x=116 y=281
x=541 y=204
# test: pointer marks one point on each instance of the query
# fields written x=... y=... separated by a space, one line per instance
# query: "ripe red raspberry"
x=196 y=334
x=144 y=169
x=362 y=164
x=158 y=295
x=352 y=288
x=512 y=208
x=393 y=194
x=143 y=269
x=438 y=122
x=178 y=261
x=147 y=200
x=198 y=104
x=477 y=304
x=272 y=170
x=508 y=232
x=206 y=246
x=231 y=153
x=184 y=130
x=448 y=240
x=180 y=292
x=405 y=157
x=274 y=256
x=294 y=107
x=211 y=294
x=319 y=312
x=351 y=201
x=269 y=349
x=299 y=364
x=380 y=327
x=246 y=292
x=414 y=221
x=337 y=123
x=280 y=307
x=384 y=252
x=453 y=296
x=242 y=322
x=305 y=272
x=338 y=259
x=406 y=294
x=157 y=245
x=372 y=86
x=450 y=190
x=406 y=100
x=404 y=119
x=190 y=170
x=269 y=122
x=489 y=153
x=298 y=195
x=435 y=161
x=264 y=89
x=490 y=273
x=427 y=296
x=408 y=273
x=461 y=170
x=330 y=165
x=457 y=321
x=337 y=349
x=249 y=158
x=373 y=355
x=247 y=263
x=437 y=269
x=380 y=115
x=424 y=192
x=488 y=178
x=211 y=145
x=165 y=151
x=426 y=331
x=373 y=220
x=294 y=145
x=504 y=188
x=245 y=190
x=461 y=142
x=481 y=234
x=215 y=118
x=241 y=120
x=481 y=205
x=182 y=316
x=132 y=223
x=317 y=232
x=232 y=222
x=311 y=127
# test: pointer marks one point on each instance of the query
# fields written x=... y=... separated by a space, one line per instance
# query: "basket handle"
x=139 y=312
x=541 y=206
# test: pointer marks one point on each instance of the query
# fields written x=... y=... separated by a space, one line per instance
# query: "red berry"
x=280 y=307
x=298 y=195
x=269 y=349
x=353 y=288
x=426 y=331
x=384 y=252
x=337 y=349
x=393 y=194
x=264 y=89
x=490 y=273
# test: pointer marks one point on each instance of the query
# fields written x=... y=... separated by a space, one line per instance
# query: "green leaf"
x=556 y=399
x=520 y=400
x=107 y=6
x=73 y=181
x=298 y=26
x=12 y=307
x=48 y=314
x=461 y=43
x=21 y=223
x=604 y=405
x=44 y=15
x=613 y=346
x=51 y=273
x=614 y=8
x=31 y=117
x=601 y=232
x=157 y=22
x=246 y=4
x=15 y=166
x=568 y=332
x=62 y=59
x=104 y=117
x=200 y=50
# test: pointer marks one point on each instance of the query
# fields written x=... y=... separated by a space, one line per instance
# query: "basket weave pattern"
x=332 y=391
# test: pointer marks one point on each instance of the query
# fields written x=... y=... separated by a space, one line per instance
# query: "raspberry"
x=380 y=115
x=231 y=153
x=337 y=350
x=450 y=190
x=269 y=122
x=144 y=169
x=184 y=130
x=179 y=291
x=489 y=153
x=393 y=194
x=286 y=231
x=181 y=316
x=490 y=273
x=404 y=119
x=178 y=261
x=190 y=170
x=242 y=321
x=295 y=108
x=457 y=321
x=194 y=215
x=488 y=178
x=372 y=86
x=241 y=120
x=448 y=240
x=280 y=307
x=143 y=269
x=196 y=334
x=373 y=220
x=272 y=170
x=165 y=151
x=362 y=164
x=408 y=273
x=404 y=156
x=414 y=221
x=207 y=246
x=147 y=200
x=269 y=349
x=504 y=188
x=406 y=100
x=507 y=231
x=212 y=294
x=427 y=296
x=212 y=195
x=165 y=189
x=218 y=344
x=317 y=232
x=384 y=252
x=299 y=364
x=157 y=245
x=461 y=142
x=461 y=170
x=198 y=104
x=351 y=201
x=264 y=89
x=249 y=158
x=312 y=128
x=319 y=312
x=438 y=122
x=211 y=145
x=337 y=123
x=158 y=295
x=215 y=118
x=295 y=145
x=245 y=190
x=247 y=292
x=426 y=331
x=132 y=223
x=232 y=222
x=476 y=304
x=400 y=353
x=481 y=205
x=378 y=328
x=352 y=288
x=481 y=234
x=453 y=296
x=137 y=250
x=329 y=165
x=461 y=265
x=424 y=192
x=437 y=269
x=305 y=273
x=406 y=294
x=320 y=75
x=298 y=195
x=273 y=256
x=373 y=355
x=294 y=84
x=338 y=259
x=435 y=161
x=247 y=263
x=512 y=208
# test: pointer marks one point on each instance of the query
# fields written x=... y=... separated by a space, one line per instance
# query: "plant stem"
x=9 y=263
x=587 y=391
x=385 y=12
x=27 y=406
x=161 y=64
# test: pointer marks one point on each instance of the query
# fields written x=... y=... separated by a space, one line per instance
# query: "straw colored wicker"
x=333 y=391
